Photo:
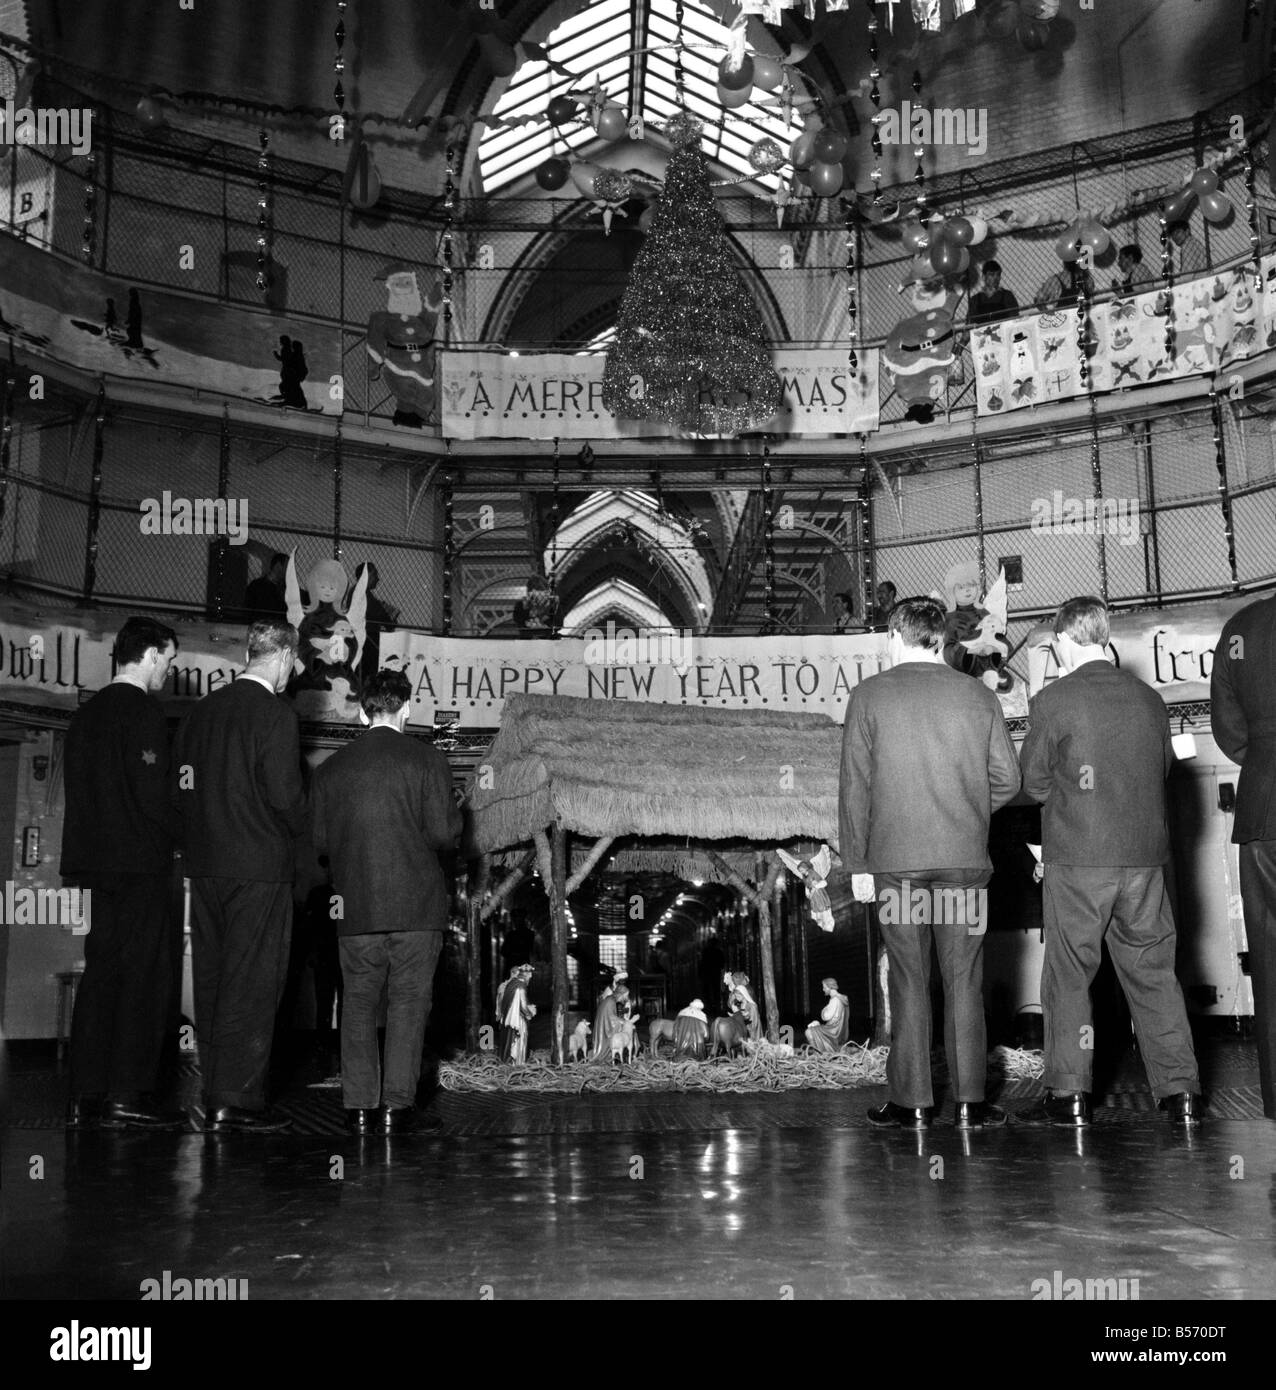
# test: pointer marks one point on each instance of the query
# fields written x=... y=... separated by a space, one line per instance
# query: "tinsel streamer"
x=1167 y=274
x=338 y=479
x=448 y=546
x=875 y=96
x=89 y=231
x=95 y=497
x=1251 y=211
x=222 y=542
x=449 y=213
x=263 y=211
x=1096 y=477
x=768 y=516
x=868 y=564
x=6 y=441
x=919 y=175
x=1083 y=332
x=553 y=525
x=852 y=308
x=1224 y=492
x=679 y=76
x=977 y=449
x=339 y=62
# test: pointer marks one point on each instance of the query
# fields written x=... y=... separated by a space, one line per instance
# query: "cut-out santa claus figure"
x=401 y=345
x=921 y=350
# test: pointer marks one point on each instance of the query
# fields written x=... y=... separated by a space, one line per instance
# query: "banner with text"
x=491 y=395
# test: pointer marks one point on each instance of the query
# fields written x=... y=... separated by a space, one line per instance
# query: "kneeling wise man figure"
x=383 y=810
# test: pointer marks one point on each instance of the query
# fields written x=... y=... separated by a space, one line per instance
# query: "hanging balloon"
x=561 y=110
x=1034 y=34
x=915 y=237
x=830 y=146
x=1095 y=236
x=963 y=261
x=648 y=216
x=1215 y=207
x=736 y=79
x=802 y=150
x=919 y=270
x=798 y=52
x=826 y=178
x=767 y=73
x=585 y=177
x=1203 y=181
x=365 y=185
x=500 y=56
x=945 y=256
x=979 y=230
x=1068 y=246
x=553 y=174
x=612 y=123
x=151 y=113
x=766 y=156
x=803 y=175
x=961 y=231
x=733 y=98
x=1177 y=208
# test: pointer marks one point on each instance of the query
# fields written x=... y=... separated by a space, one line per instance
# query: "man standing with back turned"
x=383 y=810
x=1243 y=715
x=926 y=759
x=1097 y=754
x=241 y=805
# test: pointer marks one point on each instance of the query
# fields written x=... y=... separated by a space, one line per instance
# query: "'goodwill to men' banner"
x=490 y=395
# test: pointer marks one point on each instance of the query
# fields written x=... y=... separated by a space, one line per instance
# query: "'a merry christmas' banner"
x=491 y=395
x=1217 y=320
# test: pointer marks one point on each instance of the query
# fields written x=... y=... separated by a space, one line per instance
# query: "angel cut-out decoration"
x=974 y=633
x=332 y=639
x=814 y=873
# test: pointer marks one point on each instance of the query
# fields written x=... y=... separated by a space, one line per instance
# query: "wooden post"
x=764 y=950
x=558 y=949
x=881 y=999
x=474 y=954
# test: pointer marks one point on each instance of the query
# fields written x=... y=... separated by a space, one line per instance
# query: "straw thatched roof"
x=679 y=772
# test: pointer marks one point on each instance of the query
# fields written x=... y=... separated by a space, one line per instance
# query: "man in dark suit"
x=383 y=810
x=1097 y=755
x=1243 y=714
x=926 y=759
x=264 y=597
x=241 y=806
x=117 y=849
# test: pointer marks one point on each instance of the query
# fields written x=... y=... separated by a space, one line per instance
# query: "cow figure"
x=661 y=1029
x=729 y=1034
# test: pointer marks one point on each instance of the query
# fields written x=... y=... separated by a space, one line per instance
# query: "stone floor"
x=658 y=1196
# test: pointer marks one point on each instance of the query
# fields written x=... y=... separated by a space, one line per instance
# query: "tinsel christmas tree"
x=689 y=348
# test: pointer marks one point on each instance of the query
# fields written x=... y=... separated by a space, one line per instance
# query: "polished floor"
x=654 y=1197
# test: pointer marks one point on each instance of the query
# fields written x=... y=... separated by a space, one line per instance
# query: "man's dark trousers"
x=125 y=1003
x=240 y=936
x=961 y=962
x=1132 y=906
x=402 y=963
x=1258 y=898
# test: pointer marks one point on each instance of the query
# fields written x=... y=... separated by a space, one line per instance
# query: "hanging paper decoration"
x=612 y=190
x=921 y=349
x=690 y=347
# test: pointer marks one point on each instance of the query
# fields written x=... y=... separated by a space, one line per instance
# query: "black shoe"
x=84 y=1112
x=405 y=1119
x=1184 y=1109
x=233 y=1119
x=123 y=1112
x=1070 y=1110
x=901 y=1117
x=361 y=1121
x=978 y=1114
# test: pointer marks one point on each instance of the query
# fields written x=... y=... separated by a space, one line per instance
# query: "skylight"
x=598 y=42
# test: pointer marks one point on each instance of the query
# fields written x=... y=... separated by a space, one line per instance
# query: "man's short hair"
x=1085 y=620
x=1133 y=252
x=278 y=558
x=385 y=693
x=992 y=267
x=886 y=584
x=270 y=635
x=919 y=621
x=138 y=636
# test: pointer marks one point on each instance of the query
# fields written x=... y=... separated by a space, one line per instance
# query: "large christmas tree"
x=689 y=346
